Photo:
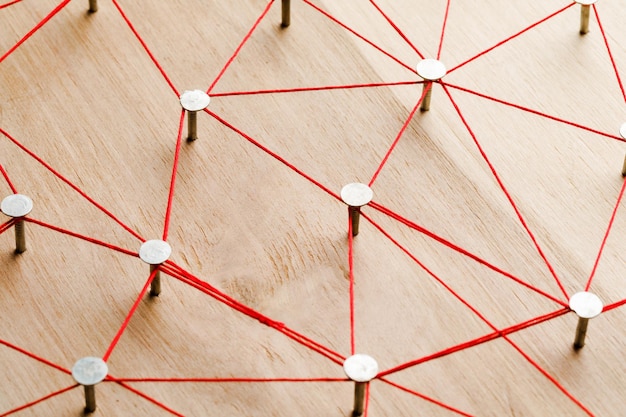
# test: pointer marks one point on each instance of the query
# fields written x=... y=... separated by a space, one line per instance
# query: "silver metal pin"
x=286 y=13
x=361 y=369
x=356 y=195
x=154 y=253
x=193 y=101
x=622 y=132
x=93 y=6
x=585 y=11
x=587 y=306
x=88 y=372
x=18 y=206
x=430 y=70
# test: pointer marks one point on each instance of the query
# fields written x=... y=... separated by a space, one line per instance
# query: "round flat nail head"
x=155 y=252
x=194 y=100
x=622 y=130
x=431 y=69
x=356 y=194
x=586 y=305
x=585 y=2
x=16 y=205
x=360 y=368
x=90 y=370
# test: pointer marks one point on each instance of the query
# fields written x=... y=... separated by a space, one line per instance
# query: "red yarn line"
x=351 y=269
x=306 y=89
x=152 y=400
x=443 y=29
x=35 y=29
x=614 y=305
x=35 y=357
x=8 y=180
x=228 y=380
x=243 y=42
x=126 y=321
x=145 y=47
x=366 y=406
x=606 y=235
x=399 y=135
x=359 y=36
x=511 y=37
x=272 y=154
x=6 y=225
x=461 y=251
x=65 y=180
x=82 y=237
x=608 y=49
x=525 y=109
x=507 y=194
x=170 y=198
x=9 y=3
x=477 y=341
x=37 y=401
x=397 y=29
x=426 y=398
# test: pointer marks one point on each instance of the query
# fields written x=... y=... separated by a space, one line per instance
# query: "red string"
x=608 y=49
x=145 y=47
x=243 y=42
x=461 y=251
x=130 y=314
x=399 y=135
x=170 y=198
x=65 y=180
x=306 y=89
x=35 y=357
x=37 y=401
x=82 y=237
x=426 y=398
x=228 y=380
x=8 y=180
x=272 y=154
x=443 y=29
x=351 y=269
x=366 y=406
x=606 y=235
x=516 y=106
x=397 y=29
x=6 y=225
x=511 y=37
x=9 y=3
x=614 y=305
x=35 y=29
x=152 y=400
x=507 y=194
x=360 y=36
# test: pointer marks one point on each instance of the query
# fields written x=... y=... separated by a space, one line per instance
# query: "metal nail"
x=88 y=372
x=356 y=195
x=361 y=369
x=286 y=13
x=17 y=206
x=193 y=101
x=155 y=252
x=430 y=70
x=587 y=306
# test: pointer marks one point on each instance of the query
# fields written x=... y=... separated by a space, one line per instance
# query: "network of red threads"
x=176 y=272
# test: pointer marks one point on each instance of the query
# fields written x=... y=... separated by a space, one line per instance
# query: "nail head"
x=16 y=205
x=585 y=2
x=622 y=130
x=155 y=252
x=586 y=305
x=194 y=100
x=90 y=371
x=431 y=69
x=356 y=194
x=360 y=368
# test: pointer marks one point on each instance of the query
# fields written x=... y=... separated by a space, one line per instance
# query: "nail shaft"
x=584 y=18
x=355 y=216
x=20 y=237
x=359 y=398
x=428 y=88
x=192 y=125
x=624 y=168
x=155 y=286
x=286 y=13
x=90 y=398
x=93 y=6
x=581 y=332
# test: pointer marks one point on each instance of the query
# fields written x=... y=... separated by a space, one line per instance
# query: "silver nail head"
x=194 y=100
x=585 y=2
x=90 y=371
x=360 y=368
x=155 y=252
x=431 y=69
x=16 y=205
x=356 y=194
x=622 y=130
x=586 y=305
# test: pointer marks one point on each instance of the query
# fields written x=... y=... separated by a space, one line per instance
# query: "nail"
x=622 y=132
x=356 y=195
x=93 y=6
x=154 y=253
x=286 y=14
x=361 y=369
x=585 y=8
x=17 y=206
x=587 y=306
x=193 y=101
x=88 y=372
x=430 y=70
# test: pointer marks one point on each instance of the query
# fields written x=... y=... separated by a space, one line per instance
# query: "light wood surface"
x=84 y=96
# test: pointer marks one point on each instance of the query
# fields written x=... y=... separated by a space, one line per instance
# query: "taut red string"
x=608 y=49
x=443 y=29
x=351 y=272
x=39 y=400
x=228 y=380
x=152 y=400
x=9 y=4
x=7 y=179
x=35 y=357
x=397 y=29
x=170 y=198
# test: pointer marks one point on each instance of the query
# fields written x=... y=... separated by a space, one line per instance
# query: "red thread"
x=307 y=89
x=614 y=305
x=37 y=401
x=35 y=357
x=8 y=180
x=228 y=380
x=6 y=225
x=129 y=316
x=35 y=29
x=360 y=36
x=443 y=29
x=170 y=197
x=145 y=47
x=507 y=194
x=547 y=116
x=243 y=42
x=608 y=49
x=351 y=214
x=397 y=29
x=152 y=400
x=9 y=3
x=367 y=400
x=511 y=37
x=606 y=235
